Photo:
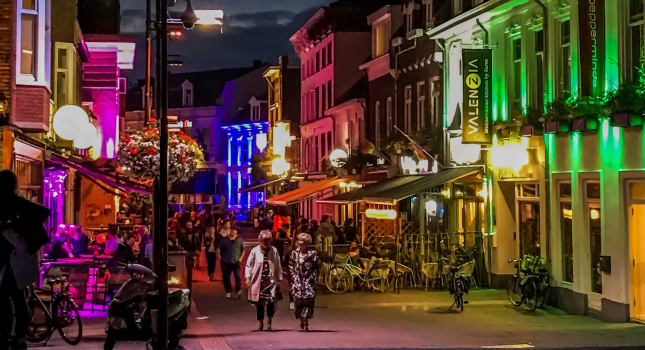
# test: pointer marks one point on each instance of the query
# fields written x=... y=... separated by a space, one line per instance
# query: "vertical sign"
x=478 y=108
x=592 y=47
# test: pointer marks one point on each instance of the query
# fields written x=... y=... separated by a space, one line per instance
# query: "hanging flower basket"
x=139 y=156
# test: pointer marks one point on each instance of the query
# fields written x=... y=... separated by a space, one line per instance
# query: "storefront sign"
x=478 y=107
x=592 y=47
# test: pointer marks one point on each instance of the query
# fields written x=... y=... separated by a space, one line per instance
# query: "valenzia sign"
x=478 y=109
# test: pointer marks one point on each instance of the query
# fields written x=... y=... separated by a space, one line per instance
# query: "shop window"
x=539 y=73
x=565 y=59
x=594 y=220
x=529 y=218
x=566 y=230
x=636 y=44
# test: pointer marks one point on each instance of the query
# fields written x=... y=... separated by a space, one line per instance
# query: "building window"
x=539 y=64
x=329 y=143
x=304 y=108
x=528 y=202
x=457 y=6
x=316 y=154
x=593 y=218
x=565 y=59
x=187 y=100
x=388 y=117
x=323 y=149
x=636 y=37
x=329 y=54
x=317 y=61
x=381 y=37
x=324 y=56
x=435 y=102
x=377 y=124
x=407 y=109
x=421 y=105
x=330 y=99
x=324 y=99
x=566 y=229
x=517 y=73
x=32 y=38
x=428 y=14
x=317 y=102
x=255 y=112
x=63 y=79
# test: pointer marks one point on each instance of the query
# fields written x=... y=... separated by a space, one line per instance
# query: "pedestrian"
x=313 y=229
x=192 y=244
x=231 y=254
x=79 y=241
x=282 y=239
x=304 y=267
x=211 y=241
x=199 y=230
x=124 y=252
x=111 y=240
x=263 y=277
x=22 y=234
x=144 y=239
x=351 y=233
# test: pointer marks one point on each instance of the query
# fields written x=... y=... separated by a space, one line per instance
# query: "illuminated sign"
x=592 y=47
x=381 y=214
x=477 y=96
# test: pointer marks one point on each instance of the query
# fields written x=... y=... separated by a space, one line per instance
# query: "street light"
x=189 y=18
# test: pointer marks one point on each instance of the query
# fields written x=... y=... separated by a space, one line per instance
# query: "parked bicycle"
x=53 y=309
x=458 y=285
x=379 y=274
x=530 y=284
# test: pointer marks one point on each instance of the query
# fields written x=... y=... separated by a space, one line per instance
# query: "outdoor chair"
x=430 y=271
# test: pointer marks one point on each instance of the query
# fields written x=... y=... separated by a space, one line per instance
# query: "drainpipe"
x=547 y=174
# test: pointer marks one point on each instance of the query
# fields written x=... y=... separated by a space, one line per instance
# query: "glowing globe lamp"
x=87 y=136
x=338 y=158
x=67 y=121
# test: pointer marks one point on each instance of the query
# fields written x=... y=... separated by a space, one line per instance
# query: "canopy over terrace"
x=305 y=192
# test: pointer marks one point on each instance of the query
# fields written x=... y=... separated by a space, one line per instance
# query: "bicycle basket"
x=532 y=263
x=340 y=259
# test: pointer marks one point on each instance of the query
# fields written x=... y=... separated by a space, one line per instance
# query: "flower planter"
x=531 y=130
x=626 y=120
x=555 y=127
x=585 y=124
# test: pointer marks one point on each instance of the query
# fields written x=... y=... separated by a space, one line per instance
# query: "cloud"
x=133 y=20
x=240 y=43
x=258 y=19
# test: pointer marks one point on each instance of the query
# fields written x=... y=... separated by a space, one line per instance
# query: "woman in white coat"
x=263 y=276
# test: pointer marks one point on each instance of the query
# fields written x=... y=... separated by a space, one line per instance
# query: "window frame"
x=629 y=59
x=377 y=124
x=421 y=107
x=589 y=204
x=435 y=102
x=564 y=200
x=388 y=116
x=407 y=108
x=41 y=72
x=69 y=71
x=561 y=90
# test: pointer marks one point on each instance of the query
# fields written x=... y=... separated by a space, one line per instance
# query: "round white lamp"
x=87 y=135
x=338 y=158
x=68 y=121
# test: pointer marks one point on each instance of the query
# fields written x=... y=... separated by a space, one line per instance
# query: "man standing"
x=231 y=252
x=191 y=242
x=21 y=236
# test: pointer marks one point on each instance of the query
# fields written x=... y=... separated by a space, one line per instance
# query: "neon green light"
x=575 y=150
x=612 y=72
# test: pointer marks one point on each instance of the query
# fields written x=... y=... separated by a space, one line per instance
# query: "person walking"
x=351 y=233
x=211 y=241
x=22 y=234
x=304 y=266
x=263 y=275
x=192 y=244
x=231 y=254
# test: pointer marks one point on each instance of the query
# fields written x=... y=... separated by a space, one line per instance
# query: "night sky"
x=253 y=29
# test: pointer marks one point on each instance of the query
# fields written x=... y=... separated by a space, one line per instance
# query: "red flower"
x=128 y=138
x=132 y=150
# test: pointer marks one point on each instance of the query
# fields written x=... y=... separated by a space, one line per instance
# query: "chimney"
x=284 y=61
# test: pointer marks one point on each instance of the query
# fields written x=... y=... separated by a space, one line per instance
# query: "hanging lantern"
x=261 y=141
x=67 y=121
x=87 y=136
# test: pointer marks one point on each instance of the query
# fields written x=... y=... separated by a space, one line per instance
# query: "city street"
x=413 y=319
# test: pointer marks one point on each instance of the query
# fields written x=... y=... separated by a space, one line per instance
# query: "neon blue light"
x=230 y=189
x=229 y=160
x=239 y=186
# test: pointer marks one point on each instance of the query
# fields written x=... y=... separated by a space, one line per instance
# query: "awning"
x=399 y=188
x=203 y=181
x=108 y=179
x=258 y=187
x=306 y=191
x=359 y=194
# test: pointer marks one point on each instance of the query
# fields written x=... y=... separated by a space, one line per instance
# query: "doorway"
x=637 y=248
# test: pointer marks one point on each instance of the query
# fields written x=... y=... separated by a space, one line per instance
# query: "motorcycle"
x=133 y=310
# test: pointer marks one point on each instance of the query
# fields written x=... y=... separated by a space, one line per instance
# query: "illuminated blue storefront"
x=243 y=141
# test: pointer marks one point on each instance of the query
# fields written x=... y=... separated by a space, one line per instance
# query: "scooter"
x=133 y=310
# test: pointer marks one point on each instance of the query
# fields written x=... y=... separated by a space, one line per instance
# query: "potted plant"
x=626 y=104
x=587 y=113
x=531 y=123
x=559 y=114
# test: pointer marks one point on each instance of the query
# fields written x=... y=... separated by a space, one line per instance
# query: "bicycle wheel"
x=338 y=280
x=68 y=320
x=40 y=326
x=531 y=293
x=543 y=291
x=514 y=292
x=381 y=278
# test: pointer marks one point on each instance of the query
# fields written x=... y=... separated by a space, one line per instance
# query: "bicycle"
x=378 y=275
x=528 y=287
x=61 y=313
x=458 y=286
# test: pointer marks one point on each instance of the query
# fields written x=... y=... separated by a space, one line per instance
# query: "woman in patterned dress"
x=304 y=267
x=263 y=276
